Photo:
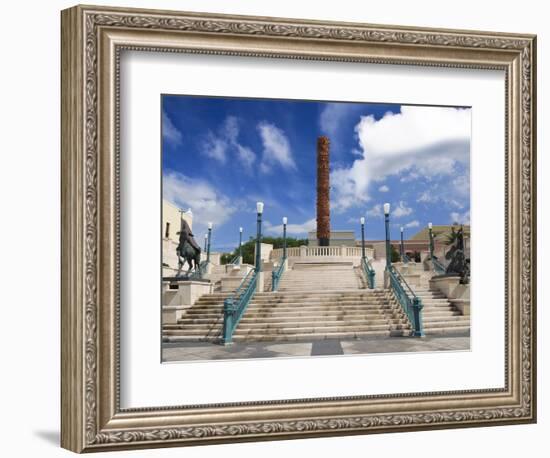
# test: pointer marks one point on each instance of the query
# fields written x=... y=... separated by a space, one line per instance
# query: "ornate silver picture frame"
x=93 y=39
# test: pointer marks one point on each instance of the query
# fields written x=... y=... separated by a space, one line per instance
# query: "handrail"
x=406 y=259
x=235 y=306
x=277 y=274
x=235 y=260
x=369 y=271
x=438 y=267
x=409 y=301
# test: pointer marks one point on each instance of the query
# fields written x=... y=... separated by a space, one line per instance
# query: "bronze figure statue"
x=458 y=262
x=187 y=250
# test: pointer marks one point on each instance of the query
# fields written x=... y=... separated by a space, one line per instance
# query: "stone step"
x=342 y=318
x=431 y=296
x=435 y=302
x=447 y=330
x=317 y=281
x=328 y=277
x=436 y=313
x=325 y=303
x=313 y=277
x=317 y=329
x=321 y=301
x=312 y=308
x=322 y=294
x=319 y=336
x=265 y=308
x=315 y=318
x=325 y=295
x=283 y=326
x=278 y=318
x=298 y=318
x=182 y=338
x=320 y=287
x=445 y=324
x=314 y=303
x=191 y=332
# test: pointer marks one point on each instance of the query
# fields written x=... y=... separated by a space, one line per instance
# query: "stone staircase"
x=321 y=277
x=202 y=322
x=294 y=315
x=314 y=302
x=439 y=315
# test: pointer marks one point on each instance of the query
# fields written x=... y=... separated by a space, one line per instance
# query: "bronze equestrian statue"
x=458 y=262
x=187 y=250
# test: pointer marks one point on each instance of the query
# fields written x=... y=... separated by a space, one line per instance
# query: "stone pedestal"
x=445 y=284
x=458 y=294
x=179 y=295
x=261 y=282
x=412 y=279
x=462 y=304
x=387 y=284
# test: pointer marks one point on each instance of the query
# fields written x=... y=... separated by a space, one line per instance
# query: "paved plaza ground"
x=196 y=351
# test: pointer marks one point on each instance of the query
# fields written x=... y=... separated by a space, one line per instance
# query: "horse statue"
x=458 y=263
x=187 y=250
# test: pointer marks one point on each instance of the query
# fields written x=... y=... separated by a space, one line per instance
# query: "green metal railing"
x=369 y=271
x=235 y=260
x=409 y=301
x=438 y=267
x=406 y=259
x=277 y=274
x=235 y=306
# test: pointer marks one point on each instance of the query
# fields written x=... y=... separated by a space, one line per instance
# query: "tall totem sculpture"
x=323 y=191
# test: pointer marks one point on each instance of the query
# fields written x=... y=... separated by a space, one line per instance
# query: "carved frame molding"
x=92 y=39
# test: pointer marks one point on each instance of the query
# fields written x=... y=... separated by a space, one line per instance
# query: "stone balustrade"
x=322 y=254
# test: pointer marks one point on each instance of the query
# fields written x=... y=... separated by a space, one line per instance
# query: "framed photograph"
x=278 y=228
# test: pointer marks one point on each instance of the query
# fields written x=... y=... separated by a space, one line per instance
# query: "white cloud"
x=231 y=129
x=453 y=194
x=218 y=146
x=207 y=203
x=215 y=148
x=334 y=114
x=414 y=223
x=276 y=147
x=296 y=229
x=383 y=188
x=460 y=218
x=418 y=142
x=375 y=211
x=461 y=185
x=427 y=197
x=401 y=210
x=246 y=156
x=170 y=133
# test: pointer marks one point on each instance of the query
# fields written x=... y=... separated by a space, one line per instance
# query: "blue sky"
x=221 y=155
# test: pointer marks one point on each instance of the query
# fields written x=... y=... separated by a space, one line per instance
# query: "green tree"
x=395 y=256
x=451 y=237
x=248 y=248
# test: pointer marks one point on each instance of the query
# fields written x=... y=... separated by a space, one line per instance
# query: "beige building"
x=171 y=220
x=440 y=232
